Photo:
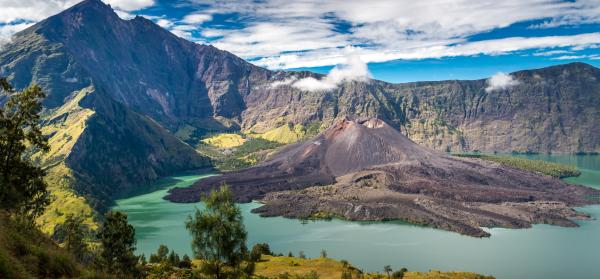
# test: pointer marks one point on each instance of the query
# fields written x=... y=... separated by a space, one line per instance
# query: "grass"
x=63 y=126
x=326 y=268
x=289 y=133
x=249 y=153
x=225 y=141
x=286 y=134
x=64 y=201
x=25 y=252
x=272 y=267
x=539 y=166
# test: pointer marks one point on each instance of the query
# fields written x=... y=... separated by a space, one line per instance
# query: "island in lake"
x=363 y=169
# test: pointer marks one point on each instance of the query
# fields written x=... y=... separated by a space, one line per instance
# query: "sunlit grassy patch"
x=272 y=267
x=64 y=201
x=326 y=268
x=225 y=140
x=547 y=168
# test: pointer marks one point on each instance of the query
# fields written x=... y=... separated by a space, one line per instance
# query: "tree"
x=323 y=253
x=258 y=250
x=218 y=234
x=161 y=254
x=186 y=262
x=387 y=269
x=117 y=238
x=301 y=255
x=399 y=274
x=173 y=259
x=22 y=186
x=74 y=236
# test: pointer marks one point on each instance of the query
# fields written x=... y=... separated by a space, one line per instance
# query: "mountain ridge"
x=115 y=69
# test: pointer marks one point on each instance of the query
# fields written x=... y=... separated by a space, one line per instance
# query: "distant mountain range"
x=128 y=100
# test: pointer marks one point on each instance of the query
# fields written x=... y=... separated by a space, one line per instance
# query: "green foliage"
x=186 y=262
x=4 y=85
x=25 y=252
x=22 y=186
x=399 y=274
x=547 y=168
x=161 y=254
x=173 y=259
x=251 y=152
x=75 y=233
x=117 y=238
x=218 y=234
x=323 y=253
x=387 y=269
x=311 y=275
x=258 y=250
x=254 y=145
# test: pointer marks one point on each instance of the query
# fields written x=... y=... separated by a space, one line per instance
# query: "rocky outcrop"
x=366 y=170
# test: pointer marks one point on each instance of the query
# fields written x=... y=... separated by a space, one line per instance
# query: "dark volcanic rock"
x=376 y=173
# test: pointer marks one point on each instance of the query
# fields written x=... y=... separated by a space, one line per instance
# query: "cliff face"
x=551 y=110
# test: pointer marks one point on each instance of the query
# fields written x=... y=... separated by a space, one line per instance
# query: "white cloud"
x=577 y=57
x=570 y=57
x=353 y=70
x=7 y=31
x=129 y=5
x=288 y=34
x=551 y=52
x=164 y=23
x=124 y=15
x=500 y=81
x=323 y=57
x=31 y=11
x=196 y=18
x=286 y=81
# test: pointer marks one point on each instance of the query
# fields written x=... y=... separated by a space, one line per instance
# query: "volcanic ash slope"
x=366 y=170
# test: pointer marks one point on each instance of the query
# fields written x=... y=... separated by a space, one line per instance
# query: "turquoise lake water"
x=540 y=252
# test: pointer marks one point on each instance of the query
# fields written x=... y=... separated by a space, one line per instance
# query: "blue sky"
x=399 y=40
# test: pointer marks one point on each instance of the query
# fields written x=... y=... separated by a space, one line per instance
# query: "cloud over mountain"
x=500 y=81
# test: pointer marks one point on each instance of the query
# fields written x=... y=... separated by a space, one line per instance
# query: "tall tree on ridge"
x=22 y=187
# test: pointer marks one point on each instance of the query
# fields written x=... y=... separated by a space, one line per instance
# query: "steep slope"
x=100 y=147
x=376 y=173
x=550 y=110
x=554 y=109
x=27 y=253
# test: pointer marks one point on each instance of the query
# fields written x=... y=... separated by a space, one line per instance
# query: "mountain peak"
x=88 y=12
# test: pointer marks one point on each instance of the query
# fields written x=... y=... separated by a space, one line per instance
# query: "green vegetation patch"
x=249 y=153
x=27 y=253
x=539 y=166
x=225 y=140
